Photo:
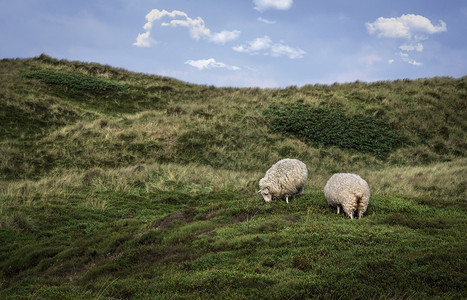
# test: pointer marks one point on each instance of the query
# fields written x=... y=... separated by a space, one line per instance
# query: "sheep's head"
x=266 y=195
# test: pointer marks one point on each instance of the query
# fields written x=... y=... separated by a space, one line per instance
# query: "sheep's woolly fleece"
x=285 y=178
x=349 y=191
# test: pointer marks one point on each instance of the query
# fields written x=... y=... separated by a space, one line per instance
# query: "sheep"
x=286 y=177
x=349 y=191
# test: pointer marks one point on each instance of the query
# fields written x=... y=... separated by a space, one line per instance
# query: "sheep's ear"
x=259 y=192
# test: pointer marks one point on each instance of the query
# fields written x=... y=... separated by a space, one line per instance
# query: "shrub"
x=331 y=127
x=75 y=81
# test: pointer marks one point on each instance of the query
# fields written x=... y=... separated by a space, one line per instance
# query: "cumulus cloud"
x=262 y=5
x=411 y=28
x=224 y=36
x=144 y=40
x=210 y=64
x=406 y=26
x=264 y=45
x=196 y=27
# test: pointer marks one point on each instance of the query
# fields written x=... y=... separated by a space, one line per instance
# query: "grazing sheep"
x=349 y=191
x=286 y=177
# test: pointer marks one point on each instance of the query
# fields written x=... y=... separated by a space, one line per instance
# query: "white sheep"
x=349 y=191
x=286 y=177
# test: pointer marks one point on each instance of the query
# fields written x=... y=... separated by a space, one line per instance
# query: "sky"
x=246 y=43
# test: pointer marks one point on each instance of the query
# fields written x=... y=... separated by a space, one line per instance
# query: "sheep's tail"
x=360 y=205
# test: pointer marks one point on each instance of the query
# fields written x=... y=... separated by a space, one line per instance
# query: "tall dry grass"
x=445 y=182
x=139 y=179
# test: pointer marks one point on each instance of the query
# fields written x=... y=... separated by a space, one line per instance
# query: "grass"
x=147 y=189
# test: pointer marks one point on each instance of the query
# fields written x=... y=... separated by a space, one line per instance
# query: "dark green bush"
x=75 y=81
x=331 y=127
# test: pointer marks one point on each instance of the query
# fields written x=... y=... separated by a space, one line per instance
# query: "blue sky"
x=246 y=43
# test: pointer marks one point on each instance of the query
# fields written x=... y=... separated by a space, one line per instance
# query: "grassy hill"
x=117 y=185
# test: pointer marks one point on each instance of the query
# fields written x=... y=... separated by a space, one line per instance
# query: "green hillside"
x=117 y=185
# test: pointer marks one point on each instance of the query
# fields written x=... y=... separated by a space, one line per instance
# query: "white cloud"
x=266 y=21
x=254 y=46
x=284 y=50
x=262 y=5
x=224 y=36
x=411 y=28
x=143 y=40
x=156 y=14
x=405 y=57
x=406 y=26
x=196 y=27
x=209 y=64
x=411 y=47
x=265 y=46
x=415 y=63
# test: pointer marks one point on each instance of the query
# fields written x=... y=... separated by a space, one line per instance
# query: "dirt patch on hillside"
x=294 y=218
x=167 y=222
x=240 y=218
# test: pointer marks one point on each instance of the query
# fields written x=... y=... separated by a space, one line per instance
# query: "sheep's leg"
x=287 y=199
x=348 y=211
x=338 y=209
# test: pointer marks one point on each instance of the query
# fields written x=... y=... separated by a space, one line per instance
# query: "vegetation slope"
x=122 y=185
